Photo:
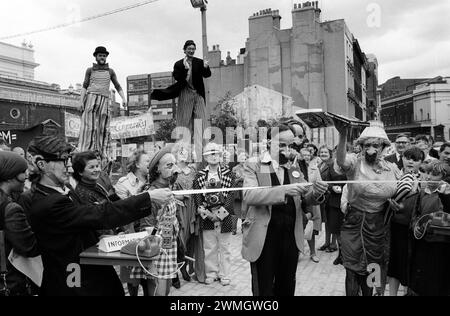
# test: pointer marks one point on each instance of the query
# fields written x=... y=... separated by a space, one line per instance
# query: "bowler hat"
x=100 y=50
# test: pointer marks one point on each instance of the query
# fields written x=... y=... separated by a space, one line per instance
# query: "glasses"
x=102 y=55
x=402 y=143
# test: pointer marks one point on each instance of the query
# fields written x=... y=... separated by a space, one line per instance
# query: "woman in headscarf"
x=13 y=222
x=163 y=171
x=364 y=234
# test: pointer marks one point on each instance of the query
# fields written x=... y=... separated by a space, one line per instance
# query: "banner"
x=73 y=125
x=130 y=127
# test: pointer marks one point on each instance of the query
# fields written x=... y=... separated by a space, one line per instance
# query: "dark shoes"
x=338 y=261
x=186 y=275
x=176 y=283
x=332 y=249
x=324 y=247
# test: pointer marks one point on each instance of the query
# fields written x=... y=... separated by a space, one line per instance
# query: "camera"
x=214 y=200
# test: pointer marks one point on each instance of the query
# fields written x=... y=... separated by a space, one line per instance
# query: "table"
x=95 y=257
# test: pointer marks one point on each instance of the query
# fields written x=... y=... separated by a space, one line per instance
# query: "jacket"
x=64 y=228
x=393 y=158
x=180 y=75
x=260 y=202
x=20 y=237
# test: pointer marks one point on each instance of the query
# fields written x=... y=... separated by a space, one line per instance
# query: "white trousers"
x=217 y=253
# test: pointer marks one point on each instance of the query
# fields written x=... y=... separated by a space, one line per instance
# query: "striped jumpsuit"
x=94 y=133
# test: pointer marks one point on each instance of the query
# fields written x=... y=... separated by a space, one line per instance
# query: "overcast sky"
x=410 y=38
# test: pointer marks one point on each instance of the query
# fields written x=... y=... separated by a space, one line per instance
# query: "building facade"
x=422 y=108
x=317 y=64
x=17 y=61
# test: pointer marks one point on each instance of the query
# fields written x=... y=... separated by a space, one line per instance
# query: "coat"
x=180 y=75
x=393 y=158
x=260 y=202
x=64 y=228
x=18 y=236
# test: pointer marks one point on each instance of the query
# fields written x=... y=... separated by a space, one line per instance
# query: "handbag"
x=309 y=230
x=149 y=247
x=436 y=224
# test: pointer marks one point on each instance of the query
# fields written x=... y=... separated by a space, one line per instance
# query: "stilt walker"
x=95 y=101
x=190 y=89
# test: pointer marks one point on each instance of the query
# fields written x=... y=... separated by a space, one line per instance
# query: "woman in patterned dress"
x=163 y=169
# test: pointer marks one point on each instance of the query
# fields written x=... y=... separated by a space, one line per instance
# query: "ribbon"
x=303 y=184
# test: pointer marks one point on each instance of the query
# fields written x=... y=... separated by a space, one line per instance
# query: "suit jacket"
x=180 y=75
x=64 y=228
x=260 y=202
x=393 y=158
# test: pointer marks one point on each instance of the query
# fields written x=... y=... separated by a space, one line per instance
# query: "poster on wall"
x=73 y=125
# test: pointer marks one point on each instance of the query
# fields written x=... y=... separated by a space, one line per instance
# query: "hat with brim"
x=375 y=130
x=50 y=148
x=101 y=50
x=212 y=148
x=158 y=156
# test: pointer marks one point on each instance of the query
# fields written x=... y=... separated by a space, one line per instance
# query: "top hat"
x=100 y=50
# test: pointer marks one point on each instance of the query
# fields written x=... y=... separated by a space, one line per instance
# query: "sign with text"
x=73 y=125
x=115 y=243
x=130 y=127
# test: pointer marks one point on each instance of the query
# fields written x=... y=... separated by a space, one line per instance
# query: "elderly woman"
x=163 y=171
x=364 y=233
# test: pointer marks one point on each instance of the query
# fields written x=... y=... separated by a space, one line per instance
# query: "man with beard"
x=273 y=231
x=444 y=153
x=64 y=227
x=95 y=100
x=364 y=233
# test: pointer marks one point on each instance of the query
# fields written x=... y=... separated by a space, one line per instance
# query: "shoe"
x=209 y=281
x=225 y=282
x=176 y=283
x=315 y=259
x=186 y=276
x=338 y=261
x=324 y=247
x=331 y=249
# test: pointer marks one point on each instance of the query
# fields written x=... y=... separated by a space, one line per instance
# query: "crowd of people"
x=379 y=204
x=383 y=218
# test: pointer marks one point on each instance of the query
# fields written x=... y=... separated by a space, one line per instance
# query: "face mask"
x=283 y=159
x=371 y=157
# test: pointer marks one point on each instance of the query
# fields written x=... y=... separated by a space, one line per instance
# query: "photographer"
x=216 y=210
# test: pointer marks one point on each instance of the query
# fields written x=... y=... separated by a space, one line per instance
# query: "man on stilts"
x=95 y=101
x=190 y=89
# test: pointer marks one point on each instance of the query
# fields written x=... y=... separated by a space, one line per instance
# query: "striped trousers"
x=94 y=132
x=191 y=107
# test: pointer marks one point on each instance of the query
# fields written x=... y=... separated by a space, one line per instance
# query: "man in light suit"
x=274 y=226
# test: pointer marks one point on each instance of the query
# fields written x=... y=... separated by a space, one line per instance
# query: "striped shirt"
x=98 y=80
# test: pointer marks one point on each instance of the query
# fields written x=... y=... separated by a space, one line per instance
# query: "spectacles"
x=402 y=143
x=102 y=55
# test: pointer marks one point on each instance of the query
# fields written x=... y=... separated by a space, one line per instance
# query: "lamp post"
x=201 y=4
